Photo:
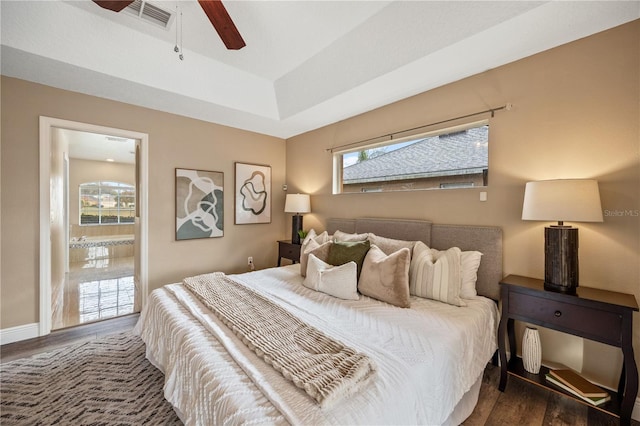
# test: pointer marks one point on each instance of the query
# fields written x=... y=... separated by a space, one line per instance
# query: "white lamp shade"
x=297 y=203
x=572 y=200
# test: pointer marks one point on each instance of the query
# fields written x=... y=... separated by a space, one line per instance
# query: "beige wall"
x=174 y=141
x=576 y=114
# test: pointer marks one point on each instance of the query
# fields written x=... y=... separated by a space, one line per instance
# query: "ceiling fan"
x=215 y=11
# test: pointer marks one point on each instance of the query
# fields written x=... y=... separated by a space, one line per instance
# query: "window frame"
x=338 y=159
x=111 y=185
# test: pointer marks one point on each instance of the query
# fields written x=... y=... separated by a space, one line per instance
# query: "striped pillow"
x=435 y=274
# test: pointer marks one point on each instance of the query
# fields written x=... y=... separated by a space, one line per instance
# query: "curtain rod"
x=506 y=107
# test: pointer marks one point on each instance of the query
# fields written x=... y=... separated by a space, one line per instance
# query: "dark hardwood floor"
x=526 y=404
x=522 y=403
x=67 y=336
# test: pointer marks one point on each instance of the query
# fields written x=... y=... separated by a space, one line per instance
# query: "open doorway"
x=99 y=193
x=93 y=223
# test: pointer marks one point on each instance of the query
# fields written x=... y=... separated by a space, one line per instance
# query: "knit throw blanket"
x=325 y=368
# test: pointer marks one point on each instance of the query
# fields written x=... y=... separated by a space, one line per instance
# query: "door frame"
x=47 y=124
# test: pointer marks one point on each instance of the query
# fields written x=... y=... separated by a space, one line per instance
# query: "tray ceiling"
x=306 y=64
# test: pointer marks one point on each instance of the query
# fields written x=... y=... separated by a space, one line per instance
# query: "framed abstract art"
x=252 y=193
x=199 y=204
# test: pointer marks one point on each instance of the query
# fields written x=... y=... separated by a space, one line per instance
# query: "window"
x=103 y=203
x=450 y=158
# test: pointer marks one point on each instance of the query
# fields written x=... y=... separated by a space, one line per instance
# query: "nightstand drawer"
x=290 y=251
x=584 y=321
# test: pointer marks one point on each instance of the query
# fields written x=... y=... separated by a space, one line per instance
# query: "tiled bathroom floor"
x=95 y=290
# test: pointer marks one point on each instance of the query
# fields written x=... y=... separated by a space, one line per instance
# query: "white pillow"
x=322 y=238
x=385 y=277
x=337 y=281
x=346 y=237
x=470 y=264
x=311 y=234
x=436 y=274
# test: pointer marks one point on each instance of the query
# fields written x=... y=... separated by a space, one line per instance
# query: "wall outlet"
x=250 y=260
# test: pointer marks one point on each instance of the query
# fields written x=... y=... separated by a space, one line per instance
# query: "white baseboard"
x=635 y=414
x=21 y=332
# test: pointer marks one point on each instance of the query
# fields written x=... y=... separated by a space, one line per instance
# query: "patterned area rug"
x=102 y=382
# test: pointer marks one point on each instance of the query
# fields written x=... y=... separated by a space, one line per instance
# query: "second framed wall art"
x=252 y=193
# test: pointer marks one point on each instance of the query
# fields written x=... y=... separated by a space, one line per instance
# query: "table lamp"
x=574 y=200
x=297 y=203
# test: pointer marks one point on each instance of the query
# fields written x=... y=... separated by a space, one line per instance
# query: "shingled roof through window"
x=458 y=153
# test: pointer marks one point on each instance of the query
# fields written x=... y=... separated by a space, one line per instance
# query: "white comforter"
x=427 y=356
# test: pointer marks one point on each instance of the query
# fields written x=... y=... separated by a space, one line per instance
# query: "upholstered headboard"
x=485 y=239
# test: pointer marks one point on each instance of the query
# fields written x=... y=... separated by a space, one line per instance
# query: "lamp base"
x=296 y=225
x=561 y=259
x=559 y=288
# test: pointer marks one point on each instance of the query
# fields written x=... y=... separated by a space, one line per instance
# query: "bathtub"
x=101 y=247
x=101 y=241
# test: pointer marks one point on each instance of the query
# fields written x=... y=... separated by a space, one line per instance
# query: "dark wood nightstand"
x=600 y=315
x=288 y=250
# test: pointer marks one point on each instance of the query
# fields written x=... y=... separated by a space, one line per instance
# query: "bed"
x=427 y=360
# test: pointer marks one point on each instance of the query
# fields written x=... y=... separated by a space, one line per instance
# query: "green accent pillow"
x=348 y=251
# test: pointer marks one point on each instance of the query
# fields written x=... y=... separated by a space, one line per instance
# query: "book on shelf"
x=578 y=383
x=591 y=400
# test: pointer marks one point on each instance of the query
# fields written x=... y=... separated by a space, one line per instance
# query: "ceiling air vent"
x=150 y=13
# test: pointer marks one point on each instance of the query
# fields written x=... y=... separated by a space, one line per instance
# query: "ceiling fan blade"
x=115 y=5
x=219 y=17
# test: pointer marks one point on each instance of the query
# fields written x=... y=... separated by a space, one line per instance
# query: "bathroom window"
x=107 y=203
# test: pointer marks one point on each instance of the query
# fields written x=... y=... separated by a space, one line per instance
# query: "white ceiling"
x=306 y=64
x=98 y=147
